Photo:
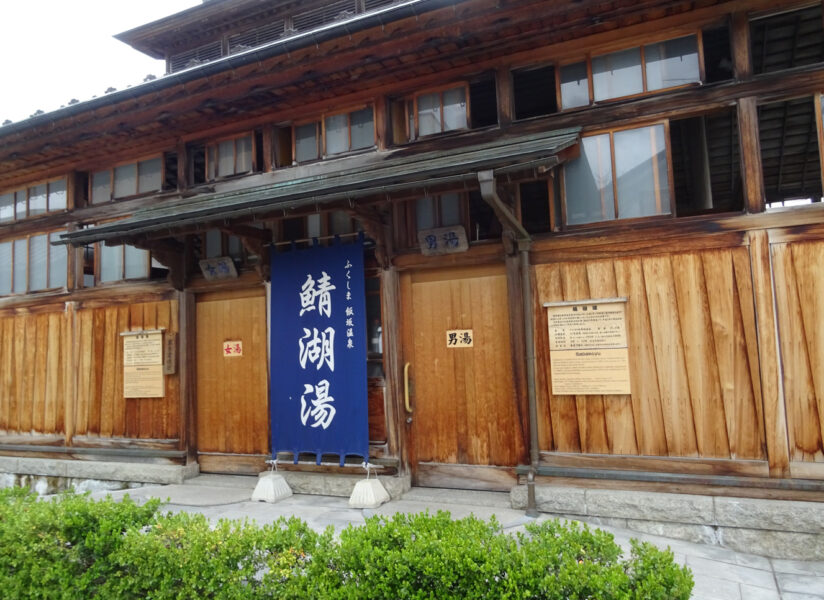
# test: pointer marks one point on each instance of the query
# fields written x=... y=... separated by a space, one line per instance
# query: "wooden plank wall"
x=693 y=358
x=799 y=301
x=34 y=357
x=101 y=409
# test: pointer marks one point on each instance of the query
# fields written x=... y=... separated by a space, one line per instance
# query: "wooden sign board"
x=588 y=352
x=143 y=364
x=460 y=338
x=170 y=354
x=443 y=240
x=233 y=349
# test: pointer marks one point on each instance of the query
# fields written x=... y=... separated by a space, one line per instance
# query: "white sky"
x=54 y=50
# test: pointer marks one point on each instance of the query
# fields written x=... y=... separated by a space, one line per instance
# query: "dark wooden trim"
x=466 y=477
x=663 y=464
x=741 y=49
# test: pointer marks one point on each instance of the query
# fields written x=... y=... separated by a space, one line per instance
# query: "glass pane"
x=111 y=262
x=641 y=172
x=617 y=74
x=574 y=85
x=137 y=263
x=58 y=262
x=337 y=134
x=101 y=187
x=588 y=183
x=429 y=114
x=425 y=213
x=57 y=195
x=149 y=175
x=20 y=254
x=38 y=258
x=313 y=226
x=20 y=204
x=235 y=247
x=37 y=200
x=671 y=63
x=363 y=128
x=454 y=109
x=5 y=268
x=125 y=180
x=340 y=222
x=211 y=161
x=226 y=158
x=306 y=142
x=244 y=154
x=214 y=244
x=450 y=210
x=7 y=207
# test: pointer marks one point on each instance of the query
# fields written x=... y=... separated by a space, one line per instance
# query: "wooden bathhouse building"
x=588 y=247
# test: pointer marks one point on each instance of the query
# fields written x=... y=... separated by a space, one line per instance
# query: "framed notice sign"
x=143 y=364
x=588 y=351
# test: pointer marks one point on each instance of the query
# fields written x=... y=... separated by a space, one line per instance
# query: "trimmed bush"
x=70 y=547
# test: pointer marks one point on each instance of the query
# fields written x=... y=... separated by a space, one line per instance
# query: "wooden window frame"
x=412 y=100
x=406 y=228
x=320 y=133
x=98 y=254
x=27 y=191
x=562 y=222
x=49 y=250
x=111 y=170
x=587 y=59
x=212 y=150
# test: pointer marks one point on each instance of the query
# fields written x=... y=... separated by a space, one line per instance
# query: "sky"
x=54 y=50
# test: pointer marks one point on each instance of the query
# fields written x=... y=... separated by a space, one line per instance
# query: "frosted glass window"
x=5 y=268
x=363 y=128
x=101 y=187
x=20 y=257
x=149 y=175
x=672 y=63
x=7 y=207
x=454 y=109
x=226 y=158
x=306 y=142
x=235 y=247
x=58 y=262
x=243 y=147
x=37 y=200
x=574 y=85
x=214 y=244
x=641 y=172
x=450 y=210
x=425 y=213
x=20 y=204
x=313 y=226
x=429 y=114
x=57 y=195
x=125 y=180
x=340 y=222
x=38 y=262
x=337 y=134
x=111 y=263
x=588 y=183
x=136 y=262
x=617 y=74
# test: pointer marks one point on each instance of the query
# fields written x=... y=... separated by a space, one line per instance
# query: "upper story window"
x=334 y=134
x=32 y=264
x=224 y=158
x=108 y=264
x=445 y=210
x=790 y=39
x=35 y=200
x=127 y=180
x=436 y=112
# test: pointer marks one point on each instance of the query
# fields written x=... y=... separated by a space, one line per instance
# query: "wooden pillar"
x=186 y=366
x=267 y=138
x=182 y=167
x=517 y=338
x=750 y=152
x=772 y=388
x=503 y=89
x=71 y=346
x=741 y=46
x=393 y=370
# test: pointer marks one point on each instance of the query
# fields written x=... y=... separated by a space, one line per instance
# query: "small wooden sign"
x=222 y=267
x=460 y=338
x=588 y=353
x=233 y=349
x=443 y=240
x=170 y=354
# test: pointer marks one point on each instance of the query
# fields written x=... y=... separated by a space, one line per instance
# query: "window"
x=620 y=174
x=533 y=91
x=631 y=71
x=790 y=39
x=32 y=264
x=334 y=134
x=127 y=180
x=114 y=263
x=436 y=112
x=430 y=212
x=230 y=157
x=32 y=201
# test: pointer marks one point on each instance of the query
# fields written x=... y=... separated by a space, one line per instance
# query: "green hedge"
x=72 y=547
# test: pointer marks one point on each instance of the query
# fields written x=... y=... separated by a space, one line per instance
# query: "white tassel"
x=368 y=493
x=272 y=486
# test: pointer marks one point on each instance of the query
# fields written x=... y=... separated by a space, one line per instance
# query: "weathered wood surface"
x=693 y=358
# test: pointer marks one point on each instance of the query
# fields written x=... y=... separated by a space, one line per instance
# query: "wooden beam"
x=750 y=153
x=506 y=98
x=741 y=46
x=171 y=254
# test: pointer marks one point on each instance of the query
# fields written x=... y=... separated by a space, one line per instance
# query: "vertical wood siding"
x=693 y=358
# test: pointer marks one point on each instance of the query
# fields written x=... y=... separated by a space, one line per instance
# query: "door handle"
x=406 y=388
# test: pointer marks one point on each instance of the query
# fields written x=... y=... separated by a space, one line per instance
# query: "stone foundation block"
x=650 y=506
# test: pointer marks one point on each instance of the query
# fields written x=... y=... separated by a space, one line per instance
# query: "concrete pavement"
x=720 y=573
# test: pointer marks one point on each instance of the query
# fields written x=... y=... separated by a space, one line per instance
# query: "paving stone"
x=728 y=572
x=702 y=534
x=7 y=480
x=751 y=592
x=798 y=567
x=784 y=515
x=651 y=506
x=710 y=588
x=801 y=584
x=794 y=596
x=777 y=544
